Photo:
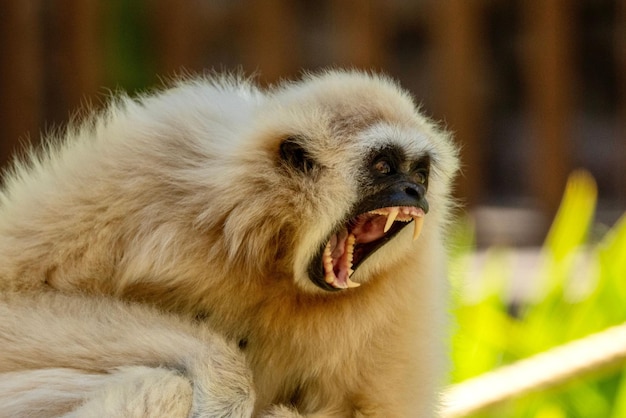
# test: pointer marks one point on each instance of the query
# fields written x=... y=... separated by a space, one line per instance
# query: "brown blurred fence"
x=533 y=89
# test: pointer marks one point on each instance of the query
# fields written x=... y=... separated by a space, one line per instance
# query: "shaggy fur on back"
x=157 y=260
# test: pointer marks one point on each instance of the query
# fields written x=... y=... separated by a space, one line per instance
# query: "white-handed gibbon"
x=220 y=250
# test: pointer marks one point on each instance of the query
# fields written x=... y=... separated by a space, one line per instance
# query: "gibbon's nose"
x=406 y=193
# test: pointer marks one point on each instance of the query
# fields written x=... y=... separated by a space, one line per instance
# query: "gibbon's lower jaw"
x=361 y=236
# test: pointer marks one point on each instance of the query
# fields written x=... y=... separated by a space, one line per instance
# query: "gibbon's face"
x=360 y=173
x=391 y=196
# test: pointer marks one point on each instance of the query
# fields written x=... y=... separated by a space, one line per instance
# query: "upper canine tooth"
x=393 y=213
x=419 y=223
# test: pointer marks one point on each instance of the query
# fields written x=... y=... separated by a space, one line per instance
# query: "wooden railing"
x=601 y=352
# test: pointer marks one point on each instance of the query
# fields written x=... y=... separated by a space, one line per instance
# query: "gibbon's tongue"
x=368 y=227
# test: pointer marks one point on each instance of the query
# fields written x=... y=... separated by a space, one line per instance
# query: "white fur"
x=138 y=250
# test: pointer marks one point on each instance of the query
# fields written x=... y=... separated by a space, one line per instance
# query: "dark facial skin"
x=389 y=183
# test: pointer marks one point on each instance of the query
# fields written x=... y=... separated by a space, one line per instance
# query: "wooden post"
x=269 y=39
x=620 y=54
x=80 y=52
x=175 y=27
x=20 y=74
x=549 y=79
x=457 y=36
x=359 y=32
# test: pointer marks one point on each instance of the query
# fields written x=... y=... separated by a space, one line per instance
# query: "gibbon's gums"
x=220 y=250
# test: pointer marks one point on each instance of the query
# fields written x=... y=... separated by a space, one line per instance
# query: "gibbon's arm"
x=129 y=392
x=80 y=340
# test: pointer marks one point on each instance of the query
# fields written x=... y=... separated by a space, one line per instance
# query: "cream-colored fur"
x=126 y=392
x=140 y=250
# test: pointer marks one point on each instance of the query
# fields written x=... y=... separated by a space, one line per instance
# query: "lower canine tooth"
x=419 y=223
x=352 y=284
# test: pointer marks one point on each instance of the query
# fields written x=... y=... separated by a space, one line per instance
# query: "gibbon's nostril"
x=413 y=191
x=404 y=193
x=416 y=193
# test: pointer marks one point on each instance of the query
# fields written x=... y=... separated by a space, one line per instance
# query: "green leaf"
x=573 y=219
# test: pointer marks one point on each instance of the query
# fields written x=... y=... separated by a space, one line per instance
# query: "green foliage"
x=582 y=290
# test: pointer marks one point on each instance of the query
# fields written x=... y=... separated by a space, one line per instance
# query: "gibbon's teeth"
x=391 y=216
x=344 y=264
x=352 y=284
x=351 y=240
x=419 y=223
x=350 y=248
x=327 y=260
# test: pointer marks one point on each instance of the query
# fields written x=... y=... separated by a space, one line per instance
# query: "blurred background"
x=532 y=89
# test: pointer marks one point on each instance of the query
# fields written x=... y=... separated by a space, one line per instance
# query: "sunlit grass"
x=582 y=289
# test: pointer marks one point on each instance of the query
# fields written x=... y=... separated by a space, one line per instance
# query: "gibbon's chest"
x=302 y=350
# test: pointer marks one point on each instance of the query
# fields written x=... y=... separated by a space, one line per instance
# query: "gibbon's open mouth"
x=357 y=239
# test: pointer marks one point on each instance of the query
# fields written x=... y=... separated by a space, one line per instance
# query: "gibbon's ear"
x=293 y=154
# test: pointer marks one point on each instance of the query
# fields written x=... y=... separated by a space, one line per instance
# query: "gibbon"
x=217 y=249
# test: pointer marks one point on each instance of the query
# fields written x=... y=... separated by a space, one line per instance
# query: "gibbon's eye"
x=382 y=167
x=294 y=155
x=421 y=171
x=386 y=161
x=421 y=177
